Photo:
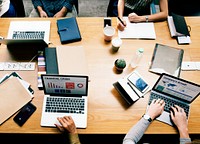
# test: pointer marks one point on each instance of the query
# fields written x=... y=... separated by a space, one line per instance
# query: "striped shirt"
x=51 y=7
x=137 y=5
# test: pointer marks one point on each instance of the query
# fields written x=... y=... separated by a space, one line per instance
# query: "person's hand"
x=179 y=118
x=59 y=14
x=156 y=108
x=120 y=26
x=67 y=124
x=43 y=14
x=133 y=17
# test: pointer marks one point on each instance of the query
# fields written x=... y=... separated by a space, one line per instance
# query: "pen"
x=121 y=21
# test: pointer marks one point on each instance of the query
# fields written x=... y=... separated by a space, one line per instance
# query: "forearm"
x=136 y=132
x=120 y=8
x=74 y=139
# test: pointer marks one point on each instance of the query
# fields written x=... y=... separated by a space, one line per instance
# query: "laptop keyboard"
x=65 y=105
x=169 y=103
x=28 y=35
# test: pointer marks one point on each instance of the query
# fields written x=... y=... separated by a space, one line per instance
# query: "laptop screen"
x=61 y=85
x=177 y=87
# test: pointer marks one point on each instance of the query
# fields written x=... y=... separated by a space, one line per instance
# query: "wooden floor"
x=87 y=139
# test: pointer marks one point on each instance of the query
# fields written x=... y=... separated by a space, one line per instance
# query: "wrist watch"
x=147 y=18
x=147 y=117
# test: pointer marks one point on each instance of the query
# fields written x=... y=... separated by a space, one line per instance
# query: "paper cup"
x=116 y=44
x=109 y=32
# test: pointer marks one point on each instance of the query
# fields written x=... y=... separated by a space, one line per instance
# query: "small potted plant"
x=120 y=64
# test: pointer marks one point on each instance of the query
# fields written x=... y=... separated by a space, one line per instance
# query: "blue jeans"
x=11 y=12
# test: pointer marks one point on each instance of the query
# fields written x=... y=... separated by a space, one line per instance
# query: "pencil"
x=121 y=21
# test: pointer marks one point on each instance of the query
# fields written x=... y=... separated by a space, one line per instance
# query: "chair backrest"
x=19 y=7
x=184 y=7
x=76 y=5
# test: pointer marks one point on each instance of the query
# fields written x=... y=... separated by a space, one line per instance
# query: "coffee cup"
x=116 y=44
x=109 y=32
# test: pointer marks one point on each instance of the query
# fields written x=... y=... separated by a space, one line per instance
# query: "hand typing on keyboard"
x=179 y=118
x=156 y=108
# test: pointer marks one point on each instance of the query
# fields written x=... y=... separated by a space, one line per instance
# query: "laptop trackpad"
x=165 y=117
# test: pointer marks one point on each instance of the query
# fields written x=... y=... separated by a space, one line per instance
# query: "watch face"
x=147 y=117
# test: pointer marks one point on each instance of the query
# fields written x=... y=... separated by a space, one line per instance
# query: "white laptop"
x=178 y=91
x=65 y=95
x=28 y=32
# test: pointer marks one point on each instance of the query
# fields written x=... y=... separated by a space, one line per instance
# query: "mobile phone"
x=138 y=82
x=107 y=21
x=24 y=114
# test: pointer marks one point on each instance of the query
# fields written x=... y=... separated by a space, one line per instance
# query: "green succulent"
x=120 y=64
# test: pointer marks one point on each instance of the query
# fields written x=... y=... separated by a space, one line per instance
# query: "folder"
x=71 y=60
x=51 y=60
x=68 y=30
x=13 y=96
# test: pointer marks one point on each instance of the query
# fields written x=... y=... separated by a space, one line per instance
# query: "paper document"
x=138 y=30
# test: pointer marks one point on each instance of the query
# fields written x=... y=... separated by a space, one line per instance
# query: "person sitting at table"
x=67 y=125
x=53 y=8
x=7 y=9
x=139 y=11
x=155 y=109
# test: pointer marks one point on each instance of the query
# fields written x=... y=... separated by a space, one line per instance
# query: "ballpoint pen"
x=121 y=21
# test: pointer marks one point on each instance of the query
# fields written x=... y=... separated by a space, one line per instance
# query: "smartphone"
x=138 y=82
x=24 y=114
x=107 y=21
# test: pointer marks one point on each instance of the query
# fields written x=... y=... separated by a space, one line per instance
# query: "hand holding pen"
x=121 y=24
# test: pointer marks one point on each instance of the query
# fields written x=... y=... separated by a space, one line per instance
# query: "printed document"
x=138 y=30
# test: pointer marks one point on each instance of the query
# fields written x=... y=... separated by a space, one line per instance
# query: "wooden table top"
x=108 y=113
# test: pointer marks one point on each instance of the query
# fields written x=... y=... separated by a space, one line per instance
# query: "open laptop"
x=65 y=95
x=174 y=91
x=28 y=33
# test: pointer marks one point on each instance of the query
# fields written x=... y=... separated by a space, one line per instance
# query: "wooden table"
x=108 y=113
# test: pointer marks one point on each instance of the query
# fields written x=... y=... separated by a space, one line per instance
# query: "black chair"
x=184 y=7
x=112 y=8
x=76 y=5
x=19 y=7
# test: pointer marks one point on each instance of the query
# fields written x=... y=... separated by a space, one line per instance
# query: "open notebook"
x=138 y=30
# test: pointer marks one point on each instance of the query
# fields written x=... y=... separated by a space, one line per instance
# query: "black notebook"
x=68 y=30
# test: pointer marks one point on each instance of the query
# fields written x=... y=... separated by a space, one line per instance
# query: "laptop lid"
x=65 y=85
x=26 y=43
x=177 y=88
x=29 y=26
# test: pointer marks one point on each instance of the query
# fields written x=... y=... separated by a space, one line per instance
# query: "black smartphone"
x=24 y=114
x=107 y=21
x=138 y=82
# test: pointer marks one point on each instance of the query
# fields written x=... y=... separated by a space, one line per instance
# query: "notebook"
x=174 y=91
x=68 y=30
x=71 y=92
x=28 y=32
x=137 y=30
x=166 y=59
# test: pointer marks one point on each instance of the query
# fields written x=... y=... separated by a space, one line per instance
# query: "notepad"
x=138 y=30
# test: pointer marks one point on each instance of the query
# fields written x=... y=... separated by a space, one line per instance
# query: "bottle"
x=137 y=57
